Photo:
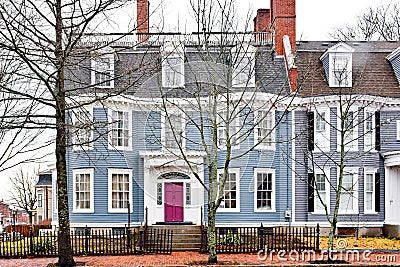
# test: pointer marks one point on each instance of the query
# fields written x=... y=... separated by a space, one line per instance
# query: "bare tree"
x=41 y=39
x=381 y=24
x=221 y=106
x=346 y=108
x=23 y=190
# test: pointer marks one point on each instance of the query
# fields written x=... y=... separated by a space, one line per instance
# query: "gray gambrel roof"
x=138 y=72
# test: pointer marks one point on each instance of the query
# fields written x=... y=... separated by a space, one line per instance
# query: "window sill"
x=371 y=213
x=125 y=148
x=265 y=147
x=348 y=213
x=265 y=210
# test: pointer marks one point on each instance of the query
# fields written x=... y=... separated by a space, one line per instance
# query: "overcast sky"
x=315 y=18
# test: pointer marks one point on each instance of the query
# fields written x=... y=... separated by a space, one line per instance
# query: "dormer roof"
x=338 y=48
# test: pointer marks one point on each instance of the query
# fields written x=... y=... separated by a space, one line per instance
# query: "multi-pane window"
x=348 y=197
x=188 y=194
x=243 y=72
x=227 y=128
x=120 y=129
x=265 y=195
x=40 y=200
x=83 y=128
x=350 y=130
x=230 y=192
x=369 y=140
x=159 y=193
x=320 y=122
x=173 y=72
x=103 y=71
x=173 y=131
x=321 y=189
x=322 y=130
x=369 y=192
x=83 y=190
x=120 y=189
x=341 y=71
x=264 y=129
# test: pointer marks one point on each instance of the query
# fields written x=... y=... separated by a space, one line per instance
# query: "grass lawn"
x=363 y=242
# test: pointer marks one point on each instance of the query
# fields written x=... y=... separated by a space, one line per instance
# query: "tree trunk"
x=64 y=242
x=211 y=235
x=30 y=214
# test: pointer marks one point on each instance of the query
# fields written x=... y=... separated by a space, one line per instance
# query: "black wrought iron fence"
x=253 y=239
x=87 y=242
x=158 y=241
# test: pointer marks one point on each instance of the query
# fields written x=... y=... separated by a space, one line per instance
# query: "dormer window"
x=337 y=62
x=173 y=65
x=243 y=66
x=341 y=71
x=102 y=70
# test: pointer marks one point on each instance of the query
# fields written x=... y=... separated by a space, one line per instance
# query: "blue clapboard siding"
x=360 y=159
x=276 y=159
x=100 y=158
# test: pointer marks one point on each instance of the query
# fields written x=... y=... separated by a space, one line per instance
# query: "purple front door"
x=173 y=204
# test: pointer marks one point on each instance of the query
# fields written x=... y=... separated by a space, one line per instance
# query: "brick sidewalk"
x=188 y=259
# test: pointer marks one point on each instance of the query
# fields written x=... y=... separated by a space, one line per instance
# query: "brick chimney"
x=142 y=19
x=262 y=20
x=283 y=22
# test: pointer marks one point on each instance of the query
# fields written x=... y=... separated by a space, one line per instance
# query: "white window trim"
x=372 y=171
x=237 y=133
x=239 y=52
x=262 y=146
x=112 y=171
x=89 y=171
x=237 y=209
x=273 y=197
x=354 y=171
x=372 y=149
x=41 y=200
x=173 y=50
x=163 y=127
x=326 y=172
x=332 y=68
x=398 y=130
x=107 y=53
x=77 y=146
x=327 y=134
x=110 y=122
x=355 y=137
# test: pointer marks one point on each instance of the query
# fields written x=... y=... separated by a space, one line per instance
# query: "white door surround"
x=157 y=169
x=392 y=187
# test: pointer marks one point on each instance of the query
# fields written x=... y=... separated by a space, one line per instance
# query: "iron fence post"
x=86 y=240
x=31 y=252
x=318 y=231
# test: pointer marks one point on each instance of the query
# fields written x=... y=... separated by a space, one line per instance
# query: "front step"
x=184 y=237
